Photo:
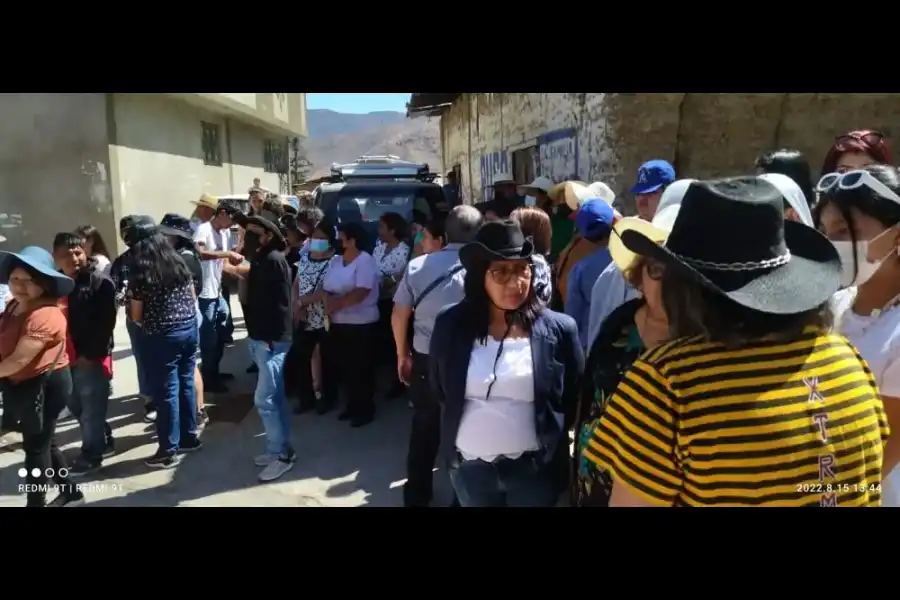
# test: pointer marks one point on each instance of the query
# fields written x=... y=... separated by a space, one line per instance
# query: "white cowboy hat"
x=543 y=184
x=657 y=230
x=561 y=192
x=502 y=177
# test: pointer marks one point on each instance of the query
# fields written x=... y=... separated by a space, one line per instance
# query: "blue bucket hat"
x=41 y=261
x=652 y=175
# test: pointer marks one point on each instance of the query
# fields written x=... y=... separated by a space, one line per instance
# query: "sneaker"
x=202 y=417
x=68 y=500
x=83 y=466
x=264 y=460
x=276 y=469
x=190 y=447
x=150 y=417
x=163 y=461
x=110 y=448
x=64 y=414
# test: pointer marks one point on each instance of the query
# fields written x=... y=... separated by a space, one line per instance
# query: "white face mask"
x=858 y=269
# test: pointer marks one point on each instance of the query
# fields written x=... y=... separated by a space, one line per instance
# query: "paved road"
x=337 y=465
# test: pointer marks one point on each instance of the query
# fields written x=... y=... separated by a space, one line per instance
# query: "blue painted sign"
x=558 y=155
x=491 y=164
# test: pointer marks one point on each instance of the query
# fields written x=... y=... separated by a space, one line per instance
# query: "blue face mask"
x=316 y=245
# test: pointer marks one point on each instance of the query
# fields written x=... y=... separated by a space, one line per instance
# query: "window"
x=212 y=145
x=523 y=164
x=274 y=157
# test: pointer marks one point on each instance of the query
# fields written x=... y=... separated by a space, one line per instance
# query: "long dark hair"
x=98 y=246
x=694 y=310
x=793 y=164
x=477 y=304
x=159 y=264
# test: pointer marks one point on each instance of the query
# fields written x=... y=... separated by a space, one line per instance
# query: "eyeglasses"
x=871 y=138
x=504 y=275
x=655 y=270
x=852 y=180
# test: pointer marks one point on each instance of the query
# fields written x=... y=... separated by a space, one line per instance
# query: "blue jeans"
x=270 y=399
x=505 y=482
x=134 y=335
x=214 y=313
x=170 y=360
x=88 y=404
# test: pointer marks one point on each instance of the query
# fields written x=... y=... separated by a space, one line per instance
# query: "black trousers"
x=298 y=379
x=387 y=349
x=424 y=438
x=350 y=352
x=227 y=291
x=41 y=452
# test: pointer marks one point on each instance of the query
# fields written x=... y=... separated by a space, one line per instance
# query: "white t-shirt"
x=878 y=340
x=501 y=424
x=210 y=240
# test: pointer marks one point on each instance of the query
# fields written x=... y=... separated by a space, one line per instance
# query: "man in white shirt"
x=210 y=220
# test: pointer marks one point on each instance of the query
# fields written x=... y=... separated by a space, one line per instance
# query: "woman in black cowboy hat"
x=34 y=369
x=755 y=401
x=505 y=370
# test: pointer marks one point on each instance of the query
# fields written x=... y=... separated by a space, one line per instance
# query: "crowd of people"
x=737 y=342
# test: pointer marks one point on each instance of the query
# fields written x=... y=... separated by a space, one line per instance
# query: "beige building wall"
x=607 y=136
x=54 y=166
x=157 y=155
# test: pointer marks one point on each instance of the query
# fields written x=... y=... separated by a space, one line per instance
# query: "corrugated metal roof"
x=428 y=104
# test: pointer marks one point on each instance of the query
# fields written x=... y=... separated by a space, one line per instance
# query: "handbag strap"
x=456 y=269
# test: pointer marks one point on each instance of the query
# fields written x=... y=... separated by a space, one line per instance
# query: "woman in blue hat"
x=34 y=368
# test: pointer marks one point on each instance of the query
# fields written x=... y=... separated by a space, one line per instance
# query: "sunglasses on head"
x=852 y=180
x=871 y=138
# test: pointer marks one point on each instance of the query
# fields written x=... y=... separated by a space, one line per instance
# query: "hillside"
x=341 y=137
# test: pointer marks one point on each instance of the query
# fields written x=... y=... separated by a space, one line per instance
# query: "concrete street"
x=336 y=466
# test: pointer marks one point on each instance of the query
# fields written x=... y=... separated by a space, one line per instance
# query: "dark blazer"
x=558 y=365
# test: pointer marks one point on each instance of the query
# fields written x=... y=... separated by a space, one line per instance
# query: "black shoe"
x=361 y=421
x=69 y=500
x=190 y=447
x=345 y=416
x=253 y=368
x=149 y=414
x=83 y=466
x=163 y=461
x=202 y=418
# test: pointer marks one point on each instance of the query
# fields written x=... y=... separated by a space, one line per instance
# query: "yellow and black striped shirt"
x=798 y=423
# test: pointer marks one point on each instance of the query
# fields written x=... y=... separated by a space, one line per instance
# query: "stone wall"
x=703 y=135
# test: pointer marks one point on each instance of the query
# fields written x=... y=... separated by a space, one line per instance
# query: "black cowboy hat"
x=731 y=236
x=176 y=225
x=497 y=240
x=268 y=225
x=134 y=228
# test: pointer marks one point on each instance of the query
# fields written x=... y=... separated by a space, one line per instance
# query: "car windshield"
x=352 y=203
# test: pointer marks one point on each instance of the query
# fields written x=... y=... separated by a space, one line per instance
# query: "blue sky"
x=358 y=103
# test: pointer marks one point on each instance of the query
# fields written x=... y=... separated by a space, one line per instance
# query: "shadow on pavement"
x=336 y=464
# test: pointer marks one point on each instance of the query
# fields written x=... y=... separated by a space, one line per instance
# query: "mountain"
x=342 y=137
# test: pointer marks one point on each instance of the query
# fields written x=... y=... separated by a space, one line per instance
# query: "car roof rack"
x=386 y=167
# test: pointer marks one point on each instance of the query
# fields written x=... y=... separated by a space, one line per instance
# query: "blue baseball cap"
x=594 y=217
x=652 y=175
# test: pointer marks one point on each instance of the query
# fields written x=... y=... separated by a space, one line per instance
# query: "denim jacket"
x=558 y=362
